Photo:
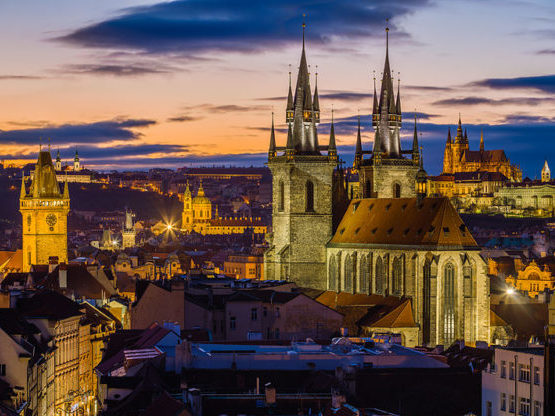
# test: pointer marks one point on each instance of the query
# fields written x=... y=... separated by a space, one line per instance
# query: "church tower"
x=44 y=210
x=387 y=174
x=128 y=232
x=459 y=146
x=303 y=190
x=546 y=173
x=76 y=162
x=187 y=214
x=58 y=162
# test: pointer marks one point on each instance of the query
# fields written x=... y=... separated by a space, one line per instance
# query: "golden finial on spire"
x=332 y=112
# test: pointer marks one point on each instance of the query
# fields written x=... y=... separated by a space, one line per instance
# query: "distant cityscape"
x=304 y=287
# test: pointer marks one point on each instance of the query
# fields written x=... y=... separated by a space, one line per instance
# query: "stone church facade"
x=393 y=242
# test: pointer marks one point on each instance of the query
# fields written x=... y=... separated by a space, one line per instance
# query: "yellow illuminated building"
x=197 y=217
x=532 y=279
x=44 y=211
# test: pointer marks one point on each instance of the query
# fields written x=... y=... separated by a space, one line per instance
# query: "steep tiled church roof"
x=433 y=222
x=386 y=317
x=485 y=156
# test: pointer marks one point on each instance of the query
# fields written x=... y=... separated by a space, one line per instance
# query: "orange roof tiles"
x=400 y=317
x=402 y=221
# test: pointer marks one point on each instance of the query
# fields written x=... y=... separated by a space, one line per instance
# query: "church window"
x=397 y=276
x=368 y=189
x=426 y=292
x=332 y=273
x=380 y=276
x=309 y=196
x=449 y=304
x=281 y=203
x=348 y=275
x=396 y=190
x=364 y=274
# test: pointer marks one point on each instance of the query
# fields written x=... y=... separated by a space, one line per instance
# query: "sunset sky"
x=136 y=84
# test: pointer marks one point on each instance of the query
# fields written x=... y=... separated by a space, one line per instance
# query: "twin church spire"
x=302 y=115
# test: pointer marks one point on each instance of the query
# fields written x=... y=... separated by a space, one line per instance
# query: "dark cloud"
x=546 y=52
x=182 y=119
x=192 y=26
x=118 y=70
x=225 y=108
x=346 y=95
x=544 y=83
x=98 y=132
x=18 y=77
x=528 y=101
x=427 y=88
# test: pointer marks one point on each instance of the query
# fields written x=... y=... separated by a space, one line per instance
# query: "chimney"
x=52 y=263
x=62 y=276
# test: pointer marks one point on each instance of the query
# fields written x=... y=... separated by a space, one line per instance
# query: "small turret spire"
x=482 y=140
x=316 y=101
x=289 y=147
x=448 y=135
x=358 y=146
x=375 y=111
x=272 y=149
x=23 y=192
x=415 y=155
x=289 y=112
x=66 y=188
x=398 y=105
x=332 y=149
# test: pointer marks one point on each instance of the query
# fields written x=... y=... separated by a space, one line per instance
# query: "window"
x=524 y=407
x=512 y=403
x=396 y=190
x=348 y=274
x=2 y=370
x=332 y=273
x=488 y=409
x=511 y=371
x=278 y=314
x=503 y=402
x=397 y=276
x=536 y=375
x=309 y=196
x=380 y=276
x=364 y=275
x=524 y=373
x=264 y=311
x=232 y=322
x=537 y=408
x=503 y=369
x=449 y=304
x=426 y=291
x=281 y=203
x=277 y=333
x=254 y=314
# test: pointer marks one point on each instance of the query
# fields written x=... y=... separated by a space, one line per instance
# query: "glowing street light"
x=510 y=291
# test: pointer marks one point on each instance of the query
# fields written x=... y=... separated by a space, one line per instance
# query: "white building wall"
x=498 y=383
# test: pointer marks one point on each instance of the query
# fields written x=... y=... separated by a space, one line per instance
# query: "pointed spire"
x=465 y=135
x=459 y=137
x=66 y=188
x=449 y=135
x=289 y=112
x=375 y=110
x=398 y=104
x=332 y=149
x=316 y=101
x=415 y=155
x=272 y=149
x=358 y=147
x=187 y=193
x=200 y=191
x=23 y=192
x=481 y=140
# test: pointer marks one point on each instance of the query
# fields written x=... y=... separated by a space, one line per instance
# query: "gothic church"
x=394 y=242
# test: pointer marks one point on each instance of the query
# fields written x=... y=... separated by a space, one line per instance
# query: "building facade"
x=305 y=190
x=459 y=158
x=128 y=232
x=44 y=211
x=514 y=383
x=197 y=216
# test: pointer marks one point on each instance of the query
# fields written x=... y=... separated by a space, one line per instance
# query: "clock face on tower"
x=51 y=220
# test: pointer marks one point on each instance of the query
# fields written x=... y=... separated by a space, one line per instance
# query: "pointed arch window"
x=332 y=273
x=309 y=196
x=397 y=275
x=426 y=307
x=348 y=274
x=281 y=197
x=364 y=274
x=449 y=304
x=396 y=190
x=380 y=276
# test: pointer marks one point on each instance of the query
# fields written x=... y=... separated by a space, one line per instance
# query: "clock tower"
x=44 y=212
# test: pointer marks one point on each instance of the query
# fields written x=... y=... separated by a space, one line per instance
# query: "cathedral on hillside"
x=44 y=210
x=459 y=158
x=406 y=260
x=197 y=217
